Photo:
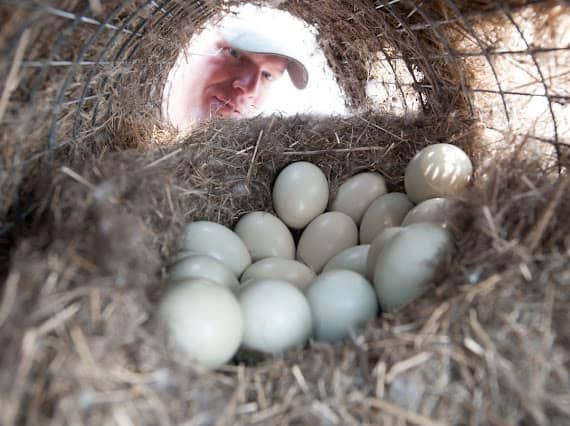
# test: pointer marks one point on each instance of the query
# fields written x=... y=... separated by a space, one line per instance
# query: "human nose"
x=247 y=81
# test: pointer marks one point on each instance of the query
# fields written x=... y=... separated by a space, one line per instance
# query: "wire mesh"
x=87 y=54
x=68 y=74
x=454 y=53
x=76 y=62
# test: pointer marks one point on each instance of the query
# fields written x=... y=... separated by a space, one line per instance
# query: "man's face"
x=235 y=83
x=223 y=82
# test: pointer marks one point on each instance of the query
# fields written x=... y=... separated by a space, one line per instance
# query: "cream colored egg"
x=353 y=259
x=357 y=193
x=300 y=194
x=219 y=242
x=376 y=246
x=386 y=211
x=276 y=316
x=408 y=262
x=204 y=320
x=326 y=236
x=265 y=236
x=434 y=210
x=276 y=268
x=439 y=170
x=200 y=266
x=340 y=300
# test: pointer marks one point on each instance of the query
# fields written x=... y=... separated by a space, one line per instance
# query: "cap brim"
x=298 y=74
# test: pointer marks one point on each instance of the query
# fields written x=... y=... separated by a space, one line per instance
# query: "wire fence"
x=63 y=63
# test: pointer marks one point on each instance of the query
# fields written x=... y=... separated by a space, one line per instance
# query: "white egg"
x=408 y=262
x=439 y=170
x=353 y=259
x=340 y=300
x=265 y=236
x=219 y=242
x=204 y=320
x=300 y=194
x=326 y=236
x=434 y=210
x=357 y=193
x=201 y=266
x=376 y=246
x=276 y=268
x=276 y=316
x=181 y=255
x=386 y=211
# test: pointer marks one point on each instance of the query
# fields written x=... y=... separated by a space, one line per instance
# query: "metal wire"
x=91 y=73
x=449 y=50
x=123 y=47
x=471 y=15
x=461 y=54
x=484 y=51
x=542 y=80
x=62 y=13
x=427 y=66
x=126 y=35
x=93 y=65
x=71 y=72
x=560 y=98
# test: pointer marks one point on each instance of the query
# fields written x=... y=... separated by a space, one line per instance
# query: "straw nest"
x=488 y=342
x=94 y=221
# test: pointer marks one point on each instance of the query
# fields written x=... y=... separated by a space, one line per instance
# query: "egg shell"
x=357 y=193
x=326 y=236
x=386 y=211
x=300 y=194
x=201 y=266
x=181 y=255
x=219 y=242
x=204 y=320
x=408 y=262
x=376 y=247
x=434 y=210
x=265 y=236
x=276 y=316
x=353 y=259
x=276 y=268
x=439 y=170
x=340 y=300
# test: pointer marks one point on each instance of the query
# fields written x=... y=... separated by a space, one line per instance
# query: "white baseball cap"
x=250 y=40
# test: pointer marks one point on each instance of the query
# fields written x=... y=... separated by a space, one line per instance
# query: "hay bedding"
x=488 y=343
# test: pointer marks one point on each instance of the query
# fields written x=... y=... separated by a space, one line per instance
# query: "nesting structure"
x=94 y=193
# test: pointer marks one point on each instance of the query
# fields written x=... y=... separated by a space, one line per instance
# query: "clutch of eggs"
x=373 y=250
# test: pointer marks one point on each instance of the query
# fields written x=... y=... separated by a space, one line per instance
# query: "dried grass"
x=89 y=264
x=94 y=222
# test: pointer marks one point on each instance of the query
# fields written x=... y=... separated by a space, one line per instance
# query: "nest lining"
x=112 y=220
x=84 y=270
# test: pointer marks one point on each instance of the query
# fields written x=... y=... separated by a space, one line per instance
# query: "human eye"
x=232 y=52
x=267 y=75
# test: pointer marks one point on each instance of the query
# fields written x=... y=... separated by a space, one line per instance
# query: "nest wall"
x=95 y=191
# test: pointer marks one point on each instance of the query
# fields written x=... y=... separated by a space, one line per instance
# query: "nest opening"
x=322 y=96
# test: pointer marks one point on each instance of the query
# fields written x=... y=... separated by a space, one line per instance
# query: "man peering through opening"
x=229 y=71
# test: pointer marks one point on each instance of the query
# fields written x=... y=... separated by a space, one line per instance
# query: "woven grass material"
x=97 y=197
x=49 y=107
x=487 y=343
